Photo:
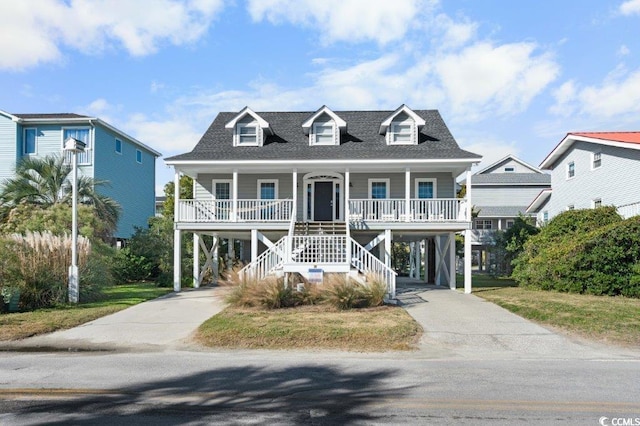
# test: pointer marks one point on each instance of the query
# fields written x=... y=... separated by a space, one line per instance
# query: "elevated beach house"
x=326 y=192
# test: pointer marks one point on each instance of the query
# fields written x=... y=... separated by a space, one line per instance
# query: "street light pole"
x=74 y=146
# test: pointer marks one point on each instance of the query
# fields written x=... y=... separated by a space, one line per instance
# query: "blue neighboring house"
x=111 y=155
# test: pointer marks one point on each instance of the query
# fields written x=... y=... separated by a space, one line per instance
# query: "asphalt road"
x=323 y=388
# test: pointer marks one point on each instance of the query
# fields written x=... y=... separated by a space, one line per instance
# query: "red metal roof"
x=628 y=137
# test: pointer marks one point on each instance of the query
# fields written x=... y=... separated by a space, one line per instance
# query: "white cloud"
x=630 y=7
x=617 y=96
x=343 y=20
x=170 y=136
x=33 y=35
x=484 y=79
x=623 y=50
x=565 y=99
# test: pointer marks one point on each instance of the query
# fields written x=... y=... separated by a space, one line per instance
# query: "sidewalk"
x=162 y=323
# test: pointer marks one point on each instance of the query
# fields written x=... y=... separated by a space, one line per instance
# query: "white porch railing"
x=365 y=262
x=318 y=249
x=268 y=261
x=420 y=210
x=629 y=210
x=223 y=211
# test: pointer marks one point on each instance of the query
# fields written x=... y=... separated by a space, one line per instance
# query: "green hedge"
x=584 y=251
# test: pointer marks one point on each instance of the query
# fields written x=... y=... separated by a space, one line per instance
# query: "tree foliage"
x=186 y=192
x=510 y=243
x=45 y=182
x=589 y=251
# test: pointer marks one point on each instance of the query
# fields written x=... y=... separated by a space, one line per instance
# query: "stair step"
x=316 y=228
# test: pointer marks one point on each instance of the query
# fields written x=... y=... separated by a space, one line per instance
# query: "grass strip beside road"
x=602 y=318
x=380 y=329
x=26 y=324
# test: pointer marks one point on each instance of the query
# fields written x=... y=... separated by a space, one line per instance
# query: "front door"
x=323 y=201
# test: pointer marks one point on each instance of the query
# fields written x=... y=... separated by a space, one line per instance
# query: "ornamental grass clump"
x=41 y=267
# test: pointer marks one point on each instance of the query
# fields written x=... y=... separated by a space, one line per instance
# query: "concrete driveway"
x=458 y=325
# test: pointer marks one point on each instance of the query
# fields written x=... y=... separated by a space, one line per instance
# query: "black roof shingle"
x=361 y=140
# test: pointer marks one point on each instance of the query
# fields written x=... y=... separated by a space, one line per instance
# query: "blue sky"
x=508 y=77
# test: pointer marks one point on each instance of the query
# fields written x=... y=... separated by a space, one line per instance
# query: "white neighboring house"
x=501 y=192
x=589 y=170
x=291 y=192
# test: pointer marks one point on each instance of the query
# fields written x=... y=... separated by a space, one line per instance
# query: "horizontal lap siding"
x=9 y=147
x=505 y=195
x=131 y=184
x=614 y=182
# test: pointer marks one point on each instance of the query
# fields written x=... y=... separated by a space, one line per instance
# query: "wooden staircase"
x=320 y=228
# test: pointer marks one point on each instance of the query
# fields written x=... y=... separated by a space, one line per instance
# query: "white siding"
x=615 y=182
x=505 y=195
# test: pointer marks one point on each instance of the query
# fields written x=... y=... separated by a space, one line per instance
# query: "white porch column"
x=295 y=193
x=347 y=194
x=235 y=195
x=452 y=261
x=196 y=260
x=387 y=247
x=412 y=259
x=407 y=195
x=467 y=238
x=177 y=255
x=215 y=258
x=231 y=253
x=254 y=245
x=426 y=261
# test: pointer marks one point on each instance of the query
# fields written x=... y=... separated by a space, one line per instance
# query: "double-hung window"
x=401 y=133
x=597 y=160
x=379 y=189
x=221 y=192
x=248 y=133
x=484 y=224
x=323 y=134
x=29 y=142
x=82 y=134
x=138 y=156
x=268 y=190
x=118 y=146
x=571 y=170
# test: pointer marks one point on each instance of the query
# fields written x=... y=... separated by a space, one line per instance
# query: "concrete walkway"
x=163 y=323
x=458 y=325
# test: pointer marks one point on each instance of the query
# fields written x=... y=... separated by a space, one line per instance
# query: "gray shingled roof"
x=61 y=115
x=361 y=141
x=500 y=211
x=511 y=179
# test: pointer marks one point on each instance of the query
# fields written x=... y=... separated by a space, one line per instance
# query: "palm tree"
x=46 y=181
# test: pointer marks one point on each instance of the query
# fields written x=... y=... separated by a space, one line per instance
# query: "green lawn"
x=602 y=318
x=25 y=324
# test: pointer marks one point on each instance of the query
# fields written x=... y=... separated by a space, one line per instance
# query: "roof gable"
x=630 y=140
x=384 y=126
x=340 y=123
x=246 y=111
x=492 y=167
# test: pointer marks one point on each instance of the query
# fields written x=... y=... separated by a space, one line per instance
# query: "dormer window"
x=402 y=127
x=249 y=129
x=401 y=133
x=247 y=133
x=324 y=127
x=323 y=134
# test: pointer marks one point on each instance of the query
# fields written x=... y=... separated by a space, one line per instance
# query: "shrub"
x=128 y=267
x=588 y=258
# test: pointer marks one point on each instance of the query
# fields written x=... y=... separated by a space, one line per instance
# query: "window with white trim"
x=571 y=207
x=323 y=133
x=545 y=216
x=267 y=189
x=596 y=203
x=509 y=169
x=509 y=223
x=401 y=131
x=596 y=160
x=29 y=141
x=379 y=189
x=118 y=146
x=221 y=189
x=571 y=170
x=138 y=156
x=425 y=188
x=483 y=224
x=82 y=134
